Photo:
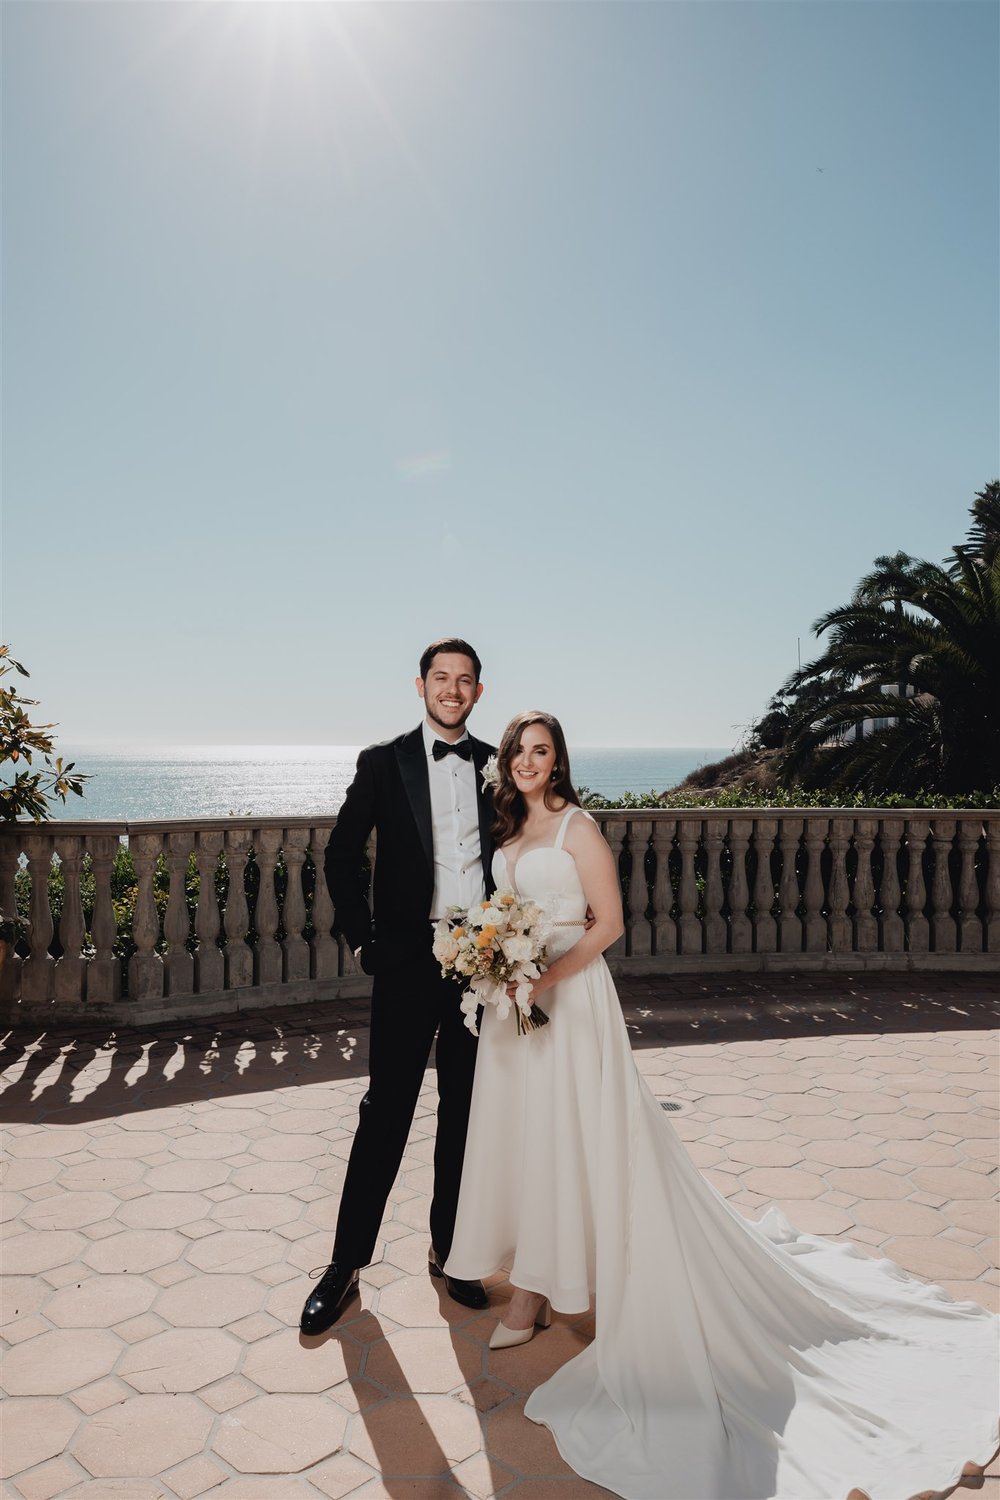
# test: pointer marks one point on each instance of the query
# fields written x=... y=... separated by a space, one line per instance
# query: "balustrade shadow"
x=689 y=1011
x=83 y=1073
x=88 y=1073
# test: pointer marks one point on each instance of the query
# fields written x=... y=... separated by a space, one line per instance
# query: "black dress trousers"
x=410 y=1003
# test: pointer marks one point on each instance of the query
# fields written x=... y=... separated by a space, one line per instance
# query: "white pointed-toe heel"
x=503 y=1337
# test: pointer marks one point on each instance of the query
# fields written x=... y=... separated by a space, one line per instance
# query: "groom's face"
x=450 y=690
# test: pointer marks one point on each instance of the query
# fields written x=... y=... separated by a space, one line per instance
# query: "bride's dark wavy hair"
x=508 y=804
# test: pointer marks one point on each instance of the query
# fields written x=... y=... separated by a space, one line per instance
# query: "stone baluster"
x=296 y=949
x=789 y=923
x=209 y=965
x=664 y=930
x=145 y=967
x=741 y=931
x=992 y=893
x=177 y=920
x=838 y=920
x=10 y=967
x=239 y=958
x=688 y=926
x=9 y=850
x=889 y=898
x=614 y=831
x=814 y=894
x=865 y=927
x=71 y=968
x=970 y=928
x=765 y=927
x=639 y=931
x=324 y=947
x=37 y=973
x=917 y=930
x=104 y=972
x=716 y=928
x=943 y=926
x=268 y=957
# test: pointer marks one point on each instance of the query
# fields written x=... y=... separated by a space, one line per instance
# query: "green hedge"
x=793 y=796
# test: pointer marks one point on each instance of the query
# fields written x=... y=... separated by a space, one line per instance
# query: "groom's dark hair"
x=452 y=645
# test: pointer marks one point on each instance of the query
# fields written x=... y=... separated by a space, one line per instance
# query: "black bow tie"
x=441 y=748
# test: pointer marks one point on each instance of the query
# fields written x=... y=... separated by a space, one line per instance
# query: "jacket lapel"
x=480 y=755
x=411 y=758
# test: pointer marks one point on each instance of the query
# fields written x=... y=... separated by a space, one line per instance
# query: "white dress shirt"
x=458 y=862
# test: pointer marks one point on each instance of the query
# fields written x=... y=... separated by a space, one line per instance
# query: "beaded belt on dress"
x=578 y=923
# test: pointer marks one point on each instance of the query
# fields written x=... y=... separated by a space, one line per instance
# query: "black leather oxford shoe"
x=468 y=1293
x=326 y=1301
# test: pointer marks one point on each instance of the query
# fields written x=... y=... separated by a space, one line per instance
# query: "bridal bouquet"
x=498 y=942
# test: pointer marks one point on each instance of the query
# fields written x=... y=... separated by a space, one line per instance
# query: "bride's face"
x=533 y=760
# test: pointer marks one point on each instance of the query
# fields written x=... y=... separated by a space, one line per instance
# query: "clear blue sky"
x=617 y=337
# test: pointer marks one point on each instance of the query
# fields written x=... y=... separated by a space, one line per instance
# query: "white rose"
x=445 y=950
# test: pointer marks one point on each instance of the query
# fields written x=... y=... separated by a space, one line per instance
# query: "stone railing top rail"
x=81 y=827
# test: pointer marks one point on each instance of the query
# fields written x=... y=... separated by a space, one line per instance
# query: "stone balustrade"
x=227 y=913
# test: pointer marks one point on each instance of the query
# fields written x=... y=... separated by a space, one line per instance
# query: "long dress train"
x=732 y=1360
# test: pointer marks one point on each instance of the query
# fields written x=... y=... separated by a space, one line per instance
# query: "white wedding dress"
x=732 y=1360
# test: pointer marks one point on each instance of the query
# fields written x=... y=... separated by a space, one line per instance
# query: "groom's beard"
x=458 y=724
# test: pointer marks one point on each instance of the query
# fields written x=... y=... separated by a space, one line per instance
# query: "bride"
x=732 y=1360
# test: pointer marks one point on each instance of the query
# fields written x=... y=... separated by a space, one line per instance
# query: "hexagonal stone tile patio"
x=166 y=1192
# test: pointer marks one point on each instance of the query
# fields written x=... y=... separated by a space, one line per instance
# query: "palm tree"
x=930 y=632
x=984 y=533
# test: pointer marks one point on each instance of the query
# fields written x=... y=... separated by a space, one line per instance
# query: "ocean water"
x=193 y=781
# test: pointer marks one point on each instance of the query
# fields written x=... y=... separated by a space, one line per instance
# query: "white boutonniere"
x=491 y=773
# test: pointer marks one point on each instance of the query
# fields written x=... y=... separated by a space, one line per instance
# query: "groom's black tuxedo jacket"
x=391 y=793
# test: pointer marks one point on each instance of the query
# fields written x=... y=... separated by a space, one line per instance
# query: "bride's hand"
x=535 y=988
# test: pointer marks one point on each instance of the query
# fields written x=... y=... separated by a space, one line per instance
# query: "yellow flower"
x=486 y=937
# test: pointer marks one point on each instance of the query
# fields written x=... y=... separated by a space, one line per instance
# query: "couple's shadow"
x=432 y=1400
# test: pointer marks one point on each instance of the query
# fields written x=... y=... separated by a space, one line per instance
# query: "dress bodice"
x=548 y=876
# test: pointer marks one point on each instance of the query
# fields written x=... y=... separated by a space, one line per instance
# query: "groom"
x=422 y=793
